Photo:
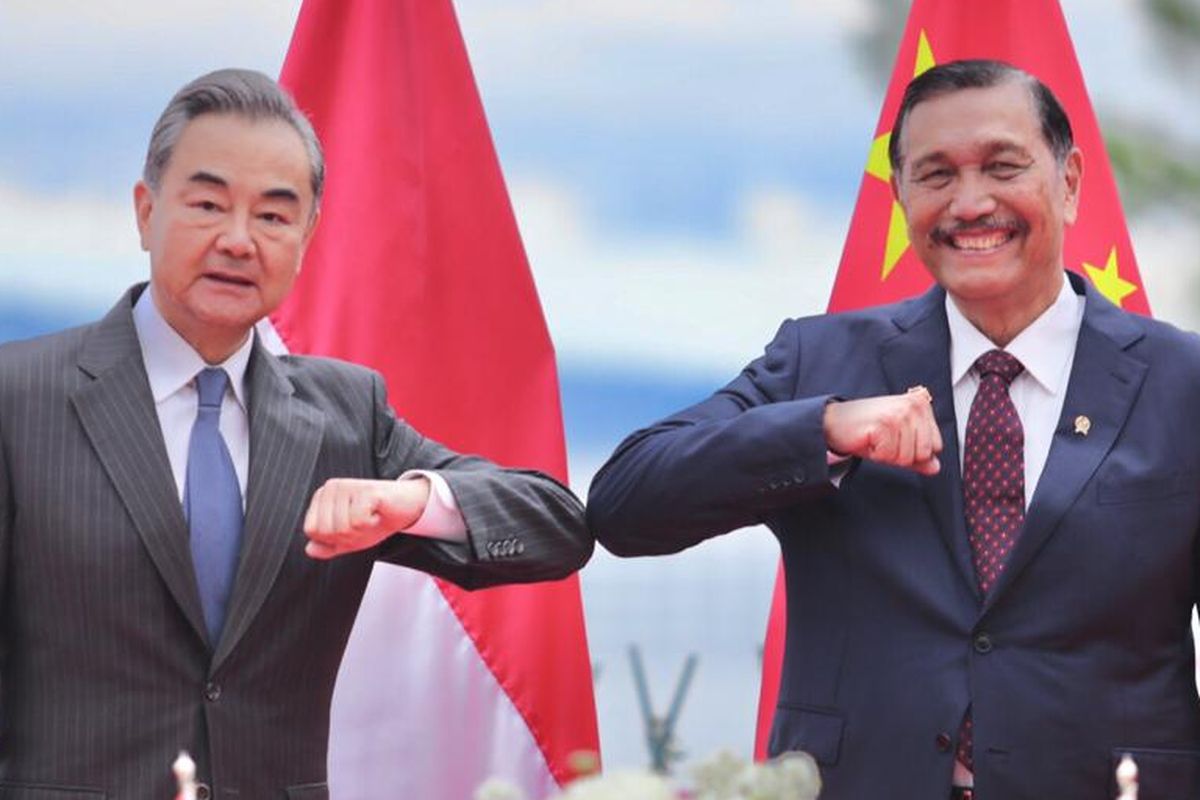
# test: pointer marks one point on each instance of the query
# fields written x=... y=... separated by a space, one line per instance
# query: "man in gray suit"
x=187 y=522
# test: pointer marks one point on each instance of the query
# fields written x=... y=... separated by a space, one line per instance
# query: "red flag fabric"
x=878 y=266
x=417 y=270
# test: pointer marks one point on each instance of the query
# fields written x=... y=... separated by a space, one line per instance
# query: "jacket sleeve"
x=522 y=526
x=753 y=447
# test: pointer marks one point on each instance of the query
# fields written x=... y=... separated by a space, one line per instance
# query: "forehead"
x=244 y=152
x=972 y=118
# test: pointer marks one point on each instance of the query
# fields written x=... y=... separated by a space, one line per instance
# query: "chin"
x=981 y=278
x=225 y=320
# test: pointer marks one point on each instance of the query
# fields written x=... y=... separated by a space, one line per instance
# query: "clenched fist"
x=897 y=429
x=351 y=514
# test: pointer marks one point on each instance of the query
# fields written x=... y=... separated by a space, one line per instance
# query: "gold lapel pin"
x=1082 y=425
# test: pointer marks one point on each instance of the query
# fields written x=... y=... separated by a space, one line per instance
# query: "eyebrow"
x=282 y=194
x=1001 y=146
x=209 y=179
x=989 y=149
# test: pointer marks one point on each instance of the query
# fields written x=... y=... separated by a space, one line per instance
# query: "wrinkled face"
x=227 y=227
x=985 y=199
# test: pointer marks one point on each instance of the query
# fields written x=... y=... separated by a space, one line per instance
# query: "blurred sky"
x=683 y=173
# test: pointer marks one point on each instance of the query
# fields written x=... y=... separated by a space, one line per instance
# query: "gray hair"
x=954 y=76
x=243 y=92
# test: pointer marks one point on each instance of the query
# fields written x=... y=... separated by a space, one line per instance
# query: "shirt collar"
x=1044 y=348
x=172 y=363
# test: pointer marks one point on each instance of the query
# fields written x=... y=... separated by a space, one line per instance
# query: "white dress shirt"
x=1046 y=348
x=171 y=366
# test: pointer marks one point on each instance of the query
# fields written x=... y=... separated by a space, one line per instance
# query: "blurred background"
x=683 y=173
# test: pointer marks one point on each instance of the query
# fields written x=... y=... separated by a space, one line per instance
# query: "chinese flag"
x=878 y=266
x=417 y=270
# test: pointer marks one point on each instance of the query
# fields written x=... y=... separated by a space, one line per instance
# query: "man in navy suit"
x=985 y=497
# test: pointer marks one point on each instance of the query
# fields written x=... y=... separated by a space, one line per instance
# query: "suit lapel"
x=919 y=355
x=285 y=437
x=117 y=412
x=1104 y=384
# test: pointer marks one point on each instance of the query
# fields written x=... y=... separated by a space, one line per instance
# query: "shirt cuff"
x=441 y=518
x=839 y=467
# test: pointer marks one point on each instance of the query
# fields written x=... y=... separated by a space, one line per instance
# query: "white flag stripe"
x=412 y=674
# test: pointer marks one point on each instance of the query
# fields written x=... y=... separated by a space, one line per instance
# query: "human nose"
x=235 y=240
x=972 y=198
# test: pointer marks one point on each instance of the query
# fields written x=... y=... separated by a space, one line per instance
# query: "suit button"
x=943 y=742
x=983 y=644
x=212 y=692
x=203 y=791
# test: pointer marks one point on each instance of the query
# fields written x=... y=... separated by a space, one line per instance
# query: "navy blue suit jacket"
x=1083 y=649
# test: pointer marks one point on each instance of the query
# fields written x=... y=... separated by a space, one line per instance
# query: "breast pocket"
x=1115 y=488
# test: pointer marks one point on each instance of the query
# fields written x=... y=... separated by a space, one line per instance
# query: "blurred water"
x=711 y=600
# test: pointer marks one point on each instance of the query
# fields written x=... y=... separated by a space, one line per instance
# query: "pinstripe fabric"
x=106 y=672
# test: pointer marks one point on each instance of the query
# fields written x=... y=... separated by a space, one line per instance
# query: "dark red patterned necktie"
x=993 y=483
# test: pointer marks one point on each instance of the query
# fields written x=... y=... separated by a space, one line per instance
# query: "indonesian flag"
x=417 y=270
x=878 y=266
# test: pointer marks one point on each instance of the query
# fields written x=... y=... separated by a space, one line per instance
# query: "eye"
x=1005 y=170
x=273 y=218
x=205 y=205
x=936 y=176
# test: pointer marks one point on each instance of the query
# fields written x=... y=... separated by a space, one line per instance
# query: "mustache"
x=988 y=224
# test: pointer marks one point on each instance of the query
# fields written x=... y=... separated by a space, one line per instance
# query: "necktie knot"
x=1000 y=363
x=210 y=385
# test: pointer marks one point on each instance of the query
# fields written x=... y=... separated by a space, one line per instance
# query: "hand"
x=897 y=429
x=350 y=514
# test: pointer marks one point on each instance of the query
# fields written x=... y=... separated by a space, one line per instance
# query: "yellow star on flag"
x=879 y=167
x=1109 y=281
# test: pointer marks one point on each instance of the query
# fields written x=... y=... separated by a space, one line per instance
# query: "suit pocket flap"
x=816 y=731
x=1114 y=489
x=1163 y=774
x=45 y=791
x=308 y=791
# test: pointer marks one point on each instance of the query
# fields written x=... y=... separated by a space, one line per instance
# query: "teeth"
x=985 y=242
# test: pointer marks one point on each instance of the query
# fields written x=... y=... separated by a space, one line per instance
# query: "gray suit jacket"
x=105 y=668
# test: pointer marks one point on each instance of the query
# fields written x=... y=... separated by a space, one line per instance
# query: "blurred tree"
x=1152 y=168
x=1178 y=23
x=1155 y=170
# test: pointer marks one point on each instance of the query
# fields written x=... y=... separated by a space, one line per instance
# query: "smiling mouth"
x=980 y=242
x=978 y=238
x=228 y=280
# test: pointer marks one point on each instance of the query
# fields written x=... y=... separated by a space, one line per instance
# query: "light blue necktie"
x=212 y=503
